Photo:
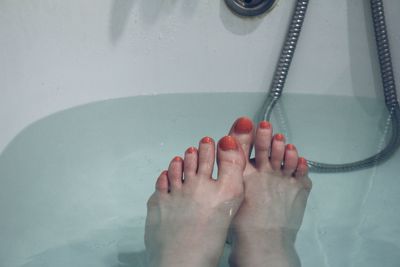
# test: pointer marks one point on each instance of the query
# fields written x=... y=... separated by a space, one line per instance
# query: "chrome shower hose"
x=386 y=70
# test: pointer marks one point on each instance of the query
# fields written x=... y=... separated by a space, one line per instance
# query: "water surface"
x=74 y=185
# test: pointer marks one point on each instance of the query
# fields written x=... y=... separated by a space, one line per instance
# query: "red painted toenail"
x=191 y=150
x=243 y=126
x=265 y=125
x=228 y=143
x=206 y=140
x=290 y=147
x=164 y=173
x=177 y=159
x=280 y=137
x=302 y=161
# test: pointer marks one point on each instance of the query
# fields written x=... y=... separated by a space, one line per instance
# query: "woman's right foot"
x=277 y=186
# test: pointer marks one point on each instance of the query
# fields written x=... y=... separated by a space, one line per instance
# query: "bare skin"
x=189 y=213
x=263 y=199
x=277 y=186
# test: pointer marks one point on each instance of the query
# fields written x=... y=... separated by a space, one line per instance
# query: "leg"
x=190 y=212
x=276 y=191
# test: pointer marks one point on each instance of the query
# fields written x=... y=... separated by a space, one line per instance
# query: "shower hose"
x=386 y=71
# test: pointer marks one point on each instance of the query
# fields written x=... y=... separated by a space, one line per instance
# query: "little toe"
x=206 y=157
x=231 y=162
x=277 y=151
x=302 y=168
x=242 y=130
x=162 y=182
x=302 y=173
x=290 y=160
x=262 y=145
x=190 y=163
x=175 y=173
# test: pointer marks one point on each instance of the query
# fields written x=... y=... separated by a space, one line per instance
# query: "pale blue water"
x=73 y=186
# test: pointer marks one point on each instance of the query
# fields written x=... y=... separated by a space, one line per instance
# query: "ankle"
x=267 y=238
x=264 y=248
x=188 y=254
x=282 y=258
x=179 y=261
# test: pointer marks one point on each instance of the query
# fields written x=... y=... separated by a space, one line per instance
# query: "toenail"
x=302 y=161
x=206 y=140
x=165 y=173
x=279 y=137
x=265 y=125
x=177 y=159
x=191 y=150
x=243 y=126
x=228 y=143
x=290 y=147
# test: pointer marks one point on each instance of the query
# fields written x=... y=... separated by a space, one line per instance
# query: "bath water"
x=74 y=185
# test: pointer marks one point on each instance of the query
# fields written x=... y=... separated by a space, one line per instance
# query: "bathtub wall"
x=57 y=54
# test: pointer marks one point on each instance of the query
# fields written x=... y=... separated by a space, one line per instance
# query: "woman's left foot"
x=190 y=212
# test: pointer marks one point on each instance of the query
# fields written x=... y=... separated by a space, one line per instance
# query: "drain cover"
x=250 y=8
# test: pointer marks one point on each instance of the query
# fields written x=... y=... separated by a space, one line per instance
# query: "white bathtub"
x=73 y=184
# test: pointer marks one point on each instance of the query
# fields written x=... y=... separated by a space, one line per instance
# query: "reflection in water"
x=74 y=185
x=111 y=247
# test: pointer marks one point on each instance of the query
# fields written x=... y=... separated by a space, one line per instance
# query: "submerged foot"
x=276 y=190
x=190 y=212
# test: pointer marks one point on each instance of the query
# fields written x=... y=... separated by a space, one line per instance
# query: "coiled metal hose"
x=386 y=70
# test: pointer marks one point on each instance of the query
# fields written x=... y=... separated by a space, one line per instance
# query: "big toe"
x=231 y=163
x=242 y=130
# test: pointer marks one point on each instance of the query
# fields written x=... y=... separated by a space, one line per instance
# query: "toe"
x=302 y=174
x=242 y=130
x=302 y=168
x=277 y=151
x=231 y=162
x=263 y=145
x=162 y=182
x=175 y=173
x=190 y=163
x=206 y=157
x=290 y=160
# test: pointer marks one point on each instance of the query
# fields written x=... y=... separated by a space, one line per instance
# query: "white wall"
x=57 y=54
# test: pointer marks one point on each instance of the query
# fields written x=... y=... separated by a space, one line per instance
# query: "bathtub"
x=97 y=97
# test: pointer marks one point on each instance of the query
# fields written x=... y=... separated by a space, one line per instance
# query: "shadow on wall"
x=120 y=11
x=151 y=10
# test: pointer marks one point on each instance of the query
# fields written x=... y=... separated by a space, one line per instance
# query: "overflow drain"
x=250 y=8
